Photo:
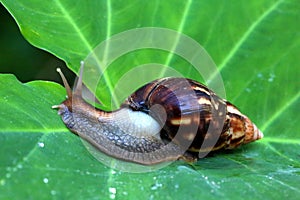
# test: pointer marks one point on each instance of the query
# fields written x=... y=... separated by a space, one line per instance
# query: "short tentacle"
x=78 y=86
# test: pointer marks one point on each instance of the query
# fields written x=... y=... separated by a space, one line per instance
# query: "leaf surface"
x=256 y=47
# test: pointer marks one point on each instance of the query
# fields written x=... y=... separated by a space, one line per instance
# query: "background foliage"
x=256 y=47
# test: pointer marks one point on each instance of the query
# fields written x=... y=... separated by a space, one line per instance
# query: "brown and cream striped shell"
x=190 y=113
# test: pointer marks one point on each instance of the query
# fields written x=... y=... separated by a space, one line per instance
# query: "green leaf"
x=256 y=47
x=44 y=160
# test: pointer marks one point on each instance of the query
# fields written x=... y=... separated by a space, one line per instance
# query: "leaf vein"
x=180 y=28
x=244 y=37
x=74 y=25
x=280 y=111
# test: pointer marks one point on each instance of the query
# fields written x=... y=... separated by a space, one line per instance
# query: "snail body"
x=165 y=120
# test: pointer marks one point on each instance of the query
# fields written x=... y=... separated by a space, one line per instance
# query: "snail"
x=168 y=119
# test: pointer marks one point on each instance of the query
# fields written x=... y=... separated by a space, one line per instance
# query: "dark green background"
x=21 y=58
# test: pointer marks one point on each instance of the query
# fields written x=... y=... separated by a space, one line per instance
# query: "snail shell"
x=165 y=120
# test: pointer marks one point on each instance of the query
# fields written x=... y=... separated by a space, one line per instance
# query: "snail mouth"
x=61 y=108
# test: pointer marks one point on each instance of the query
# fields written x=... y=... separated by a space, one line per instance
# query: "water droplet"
x=8 y=175
x=156 y=186
x=53 y=192
x=271 y=78
x=113 y=192
x=259 y=75
x=45 y=180
x=41 y=144
x=20 y=166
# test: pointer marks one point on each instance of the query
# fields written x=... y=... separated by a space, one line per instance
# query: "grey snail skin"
x=165 y=120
